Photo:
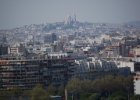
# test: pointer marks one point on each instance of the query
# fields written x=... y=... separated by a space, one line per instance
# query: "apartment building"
x=27 y=73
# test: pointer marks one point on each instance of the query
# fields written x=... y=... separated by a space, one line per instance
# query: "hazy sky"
x=15 y=13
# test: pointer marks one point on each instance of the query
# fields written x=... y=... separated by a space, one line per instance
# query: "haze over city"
x=69 y=50
x=15 y=13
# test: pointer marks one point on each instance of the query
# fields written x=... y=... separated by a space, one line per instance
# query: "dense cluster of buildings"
x=55 y=53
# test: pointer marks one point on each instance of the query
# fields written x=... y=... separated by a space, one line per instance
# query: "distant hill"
x=134 y=23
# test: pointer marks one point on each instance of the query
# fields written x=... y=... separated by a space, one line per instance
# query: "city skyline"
x=17 y=13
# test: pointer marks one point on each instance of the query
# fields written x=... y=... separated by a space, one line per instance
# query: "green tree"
x=74 y=85
x=61 y=90
x=86 y=85
x=16 y=92
x=94 y=96
x=38 y=93
x=135 y=97
x=4 y=95
x=119 y=95
x=51 y=90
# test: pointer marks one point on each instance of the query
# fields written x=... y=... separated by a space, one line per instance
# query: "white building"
x=56 y=55
x=137 y=51
x=129 y=64
x=16 y=49
x=95 y=65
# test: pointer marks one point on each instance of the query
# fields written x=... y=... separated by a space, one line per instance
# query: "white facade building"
x=95 y=65
x=129 y=64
